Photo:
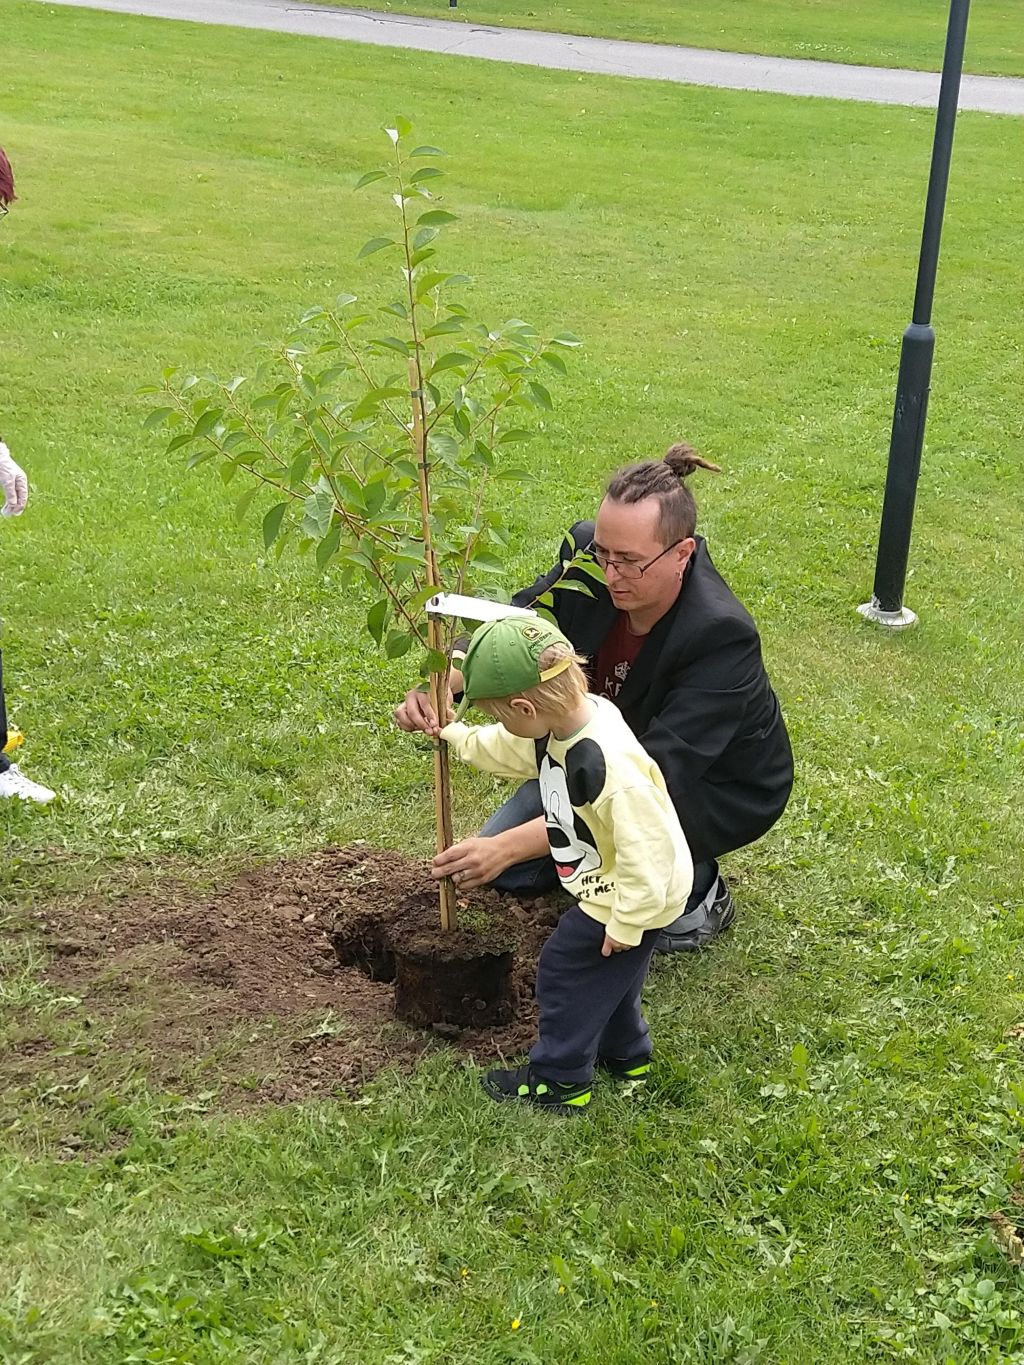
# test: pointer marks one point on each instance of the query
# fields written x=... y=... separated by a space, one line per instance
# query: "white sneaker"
x=13 y=782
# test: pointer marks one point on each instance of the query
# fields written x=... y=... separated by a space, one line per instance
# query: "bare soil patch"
x=241 y=989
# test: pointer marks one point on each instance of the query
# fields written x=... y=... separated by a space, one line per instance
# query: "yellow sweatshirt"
x=613 y=832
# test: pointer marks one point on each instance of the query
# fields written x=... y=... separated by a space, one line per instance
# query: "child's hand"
x=612 y=945
x=417 y=714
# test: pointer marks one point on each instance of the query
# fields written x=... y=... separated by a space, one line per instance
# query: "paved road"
x=562 y=51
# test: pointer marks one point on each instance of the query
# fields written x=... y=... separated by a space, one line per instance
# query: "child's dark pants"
x=589 y=1004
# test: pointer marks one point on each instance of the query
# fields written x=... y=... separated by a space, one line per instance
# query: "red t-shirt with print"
x=615 y=658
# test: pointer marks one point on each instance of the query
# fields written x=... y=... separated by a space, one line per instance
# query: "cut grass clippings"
x=838 y=1110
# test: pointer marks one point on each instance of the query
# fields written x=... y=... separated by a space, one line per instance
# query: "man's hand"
x=612 y=945
x=472 y=863
x=14 y=485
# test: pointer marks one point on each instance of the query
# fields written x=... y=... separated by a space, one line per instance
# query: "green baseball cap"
x=501 y=660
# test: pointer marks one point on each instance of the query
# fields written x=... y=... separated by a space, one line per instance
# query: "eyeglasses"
x=626 y=568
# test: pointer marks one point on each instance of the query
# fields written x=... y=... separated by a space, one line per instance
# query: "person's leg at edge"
x=536 y=876
x=5 y=762
x=13 y=782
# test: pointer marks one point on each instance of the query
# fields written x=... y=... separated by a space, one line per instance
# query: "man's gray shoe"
x=702 y=925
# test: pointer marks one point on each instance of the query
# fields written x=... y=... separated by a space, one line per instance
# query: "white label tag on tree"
x=472 y=608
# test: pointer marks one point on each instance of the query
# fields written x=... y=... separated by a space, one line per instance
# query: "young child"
x=615 y=840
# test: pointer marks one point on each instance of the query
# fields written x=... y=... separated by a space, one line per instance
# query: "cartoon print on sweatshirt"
x=579 y=783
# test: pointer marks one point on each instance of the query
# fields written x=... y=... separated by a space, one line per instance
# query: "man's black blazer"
x=698 y=697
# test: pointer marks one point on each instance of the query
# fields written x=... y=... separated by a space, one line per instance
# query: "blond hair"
x=558 y=696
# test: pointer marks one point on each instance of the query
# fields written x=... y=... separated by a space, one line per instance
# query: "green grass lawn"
x=869 y=33
x=841 y=1102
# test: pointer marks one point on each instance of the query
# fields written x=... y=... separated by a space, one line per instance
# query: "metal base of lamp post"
x=873 y=611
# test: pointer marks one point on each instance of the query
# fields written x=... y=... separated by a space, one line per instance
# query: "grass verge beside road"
x=872 y=33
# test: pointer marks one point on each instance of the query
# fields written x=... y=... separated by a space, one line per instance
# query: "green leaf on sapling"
x=375 y=244
x=446 y=327
x=272 y=523
x=443 y=446
x=157 y=418
x=434 y=661
x=489 y=563
x=393 y=344
x=206 y=423
x=377 y=618
x=398 y=643
x=245 y=502
x=375 y=495
x=431 y=280
x=328 y=547
x=556 y=362
x=452 y=361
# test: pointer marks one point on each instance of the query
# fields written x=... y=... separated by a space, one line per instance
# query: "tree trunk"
x=438 y=681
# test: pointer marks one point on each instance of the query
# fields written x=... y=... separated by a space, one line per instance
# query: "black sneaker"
x=524 y=1084
x=699 y=927
x=627 y=1068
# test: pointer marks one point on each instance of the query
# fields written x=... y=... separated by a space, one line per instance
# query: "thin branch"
x=399 y=604
x=440 y=412
x=325 y=415
x=183 y=408
x=254 y=431
x=357 y=357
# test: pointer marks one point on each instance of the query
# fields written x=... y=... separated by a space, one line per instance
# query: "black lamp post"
x=886 y=606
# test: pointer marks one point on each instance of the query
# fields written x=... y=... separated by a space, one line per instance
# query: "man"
x=14 y=486
x=670 y=644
